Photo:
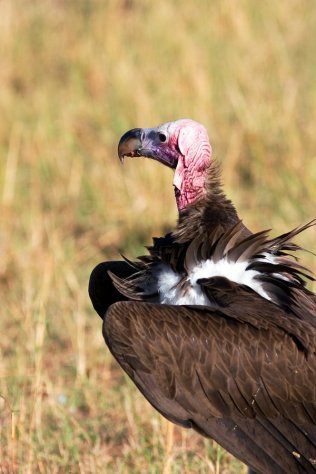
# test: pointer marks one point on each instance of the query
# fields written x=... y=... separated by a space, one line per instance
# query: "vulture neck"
x=193 y=189
x=210 y=210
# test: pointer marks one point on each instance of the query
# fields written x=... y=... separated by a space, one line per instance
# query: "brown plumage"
x=198 y=368
x=239 y=368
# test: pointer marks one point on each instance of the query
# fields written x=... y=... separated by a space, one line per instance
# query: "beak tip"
x=129 y=143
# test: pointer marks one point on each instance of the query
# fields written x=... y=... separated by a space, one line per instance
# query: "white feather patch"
x=170 y=292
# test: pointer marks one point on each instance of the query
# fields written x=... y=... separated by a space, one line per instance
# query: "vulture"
x=215 y=325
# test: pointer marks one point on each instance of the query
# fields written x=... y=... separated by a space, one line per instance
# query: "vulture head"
x=182 y=145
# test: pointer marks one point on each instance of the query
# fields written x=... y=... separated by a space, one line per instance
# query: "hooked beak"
x=130 y=144
x=146 y=142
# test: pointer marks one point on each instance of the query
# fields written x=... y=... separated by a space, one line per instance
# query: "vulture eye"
x=162 y=137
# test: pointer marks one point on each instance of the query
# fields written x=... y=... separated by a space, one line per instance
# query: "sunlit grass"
x=74 y=76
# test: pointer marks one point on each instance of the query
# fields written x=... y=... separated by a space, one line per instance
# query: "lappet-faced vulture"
x=216 y=326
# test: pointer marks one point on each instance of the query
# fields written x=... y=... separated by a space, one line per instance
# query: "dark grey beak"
x=130 y=144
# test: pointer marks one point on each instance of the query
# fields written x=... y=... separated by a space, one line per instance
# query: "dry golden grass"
x=74 y=76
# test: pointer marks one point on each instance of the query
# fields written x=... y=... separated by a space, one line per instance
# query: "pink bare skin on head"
x=191 y=171
x=182 y=145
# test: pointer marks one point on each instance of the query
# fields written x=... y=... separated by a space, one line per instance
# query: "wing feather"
x=221 y=369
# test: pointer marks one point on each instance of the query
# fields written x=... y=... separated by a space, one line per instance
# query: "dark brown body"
x=242 y=370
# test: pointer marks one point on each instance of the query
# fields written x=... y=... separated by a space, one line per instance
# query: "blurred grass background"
x=75 y=75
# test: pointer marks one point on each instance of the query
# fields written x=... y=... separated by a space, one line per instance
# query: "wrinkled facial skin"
x=182 y=145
